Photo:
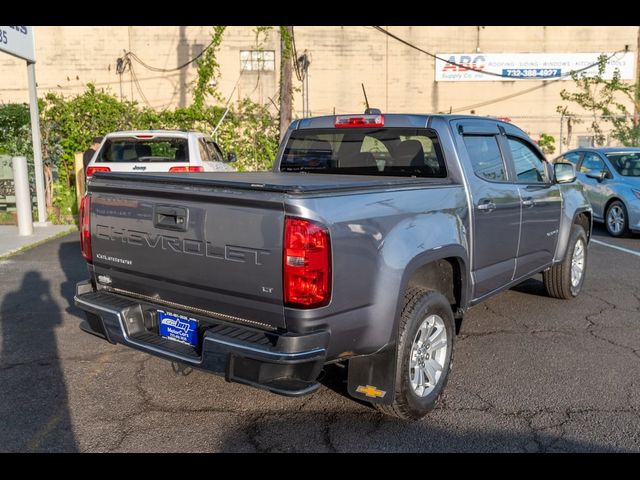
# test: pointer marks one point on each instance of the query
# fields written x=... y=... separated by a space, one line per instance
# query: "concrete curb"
x=4 y=254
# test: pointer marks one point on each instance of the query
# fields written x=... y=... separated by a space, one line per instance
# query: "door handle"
x=486 y=205
x=528 y=202
x=170 y=218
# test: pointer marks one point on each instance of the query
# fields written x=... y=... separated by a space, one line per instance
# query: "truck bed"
x=291 y=183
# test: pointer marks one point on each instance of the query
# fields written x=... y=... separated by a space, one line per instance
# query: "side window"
x=204 y=151
x=530 y=168
x=486 y=157
x=591 y=163
x=573 y=157
x=214 y=151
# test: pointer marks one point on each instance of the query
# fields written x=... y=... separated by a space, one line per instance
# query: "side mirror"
x=599 y=175
x=231 y=157
x=564 y=172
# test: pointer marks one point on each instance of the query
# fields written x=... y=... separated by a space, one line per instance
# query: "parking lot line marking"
x=622 y=249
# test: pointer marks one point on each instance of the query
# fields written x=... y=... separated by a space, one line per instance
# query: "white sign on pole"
x=18 y=41
x=528 y=66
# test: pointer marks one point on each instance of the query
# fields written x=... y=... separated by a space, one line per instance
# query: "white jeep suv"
x=159 y=151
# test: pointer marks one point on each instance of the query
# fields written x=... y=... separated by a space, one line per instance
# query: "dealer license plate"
x=178 y=327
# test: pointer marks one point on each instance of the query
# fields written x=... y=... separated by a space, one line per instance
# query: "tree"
x=286 y=90
x=547 y=144
x=607 y=101
x=208 y=69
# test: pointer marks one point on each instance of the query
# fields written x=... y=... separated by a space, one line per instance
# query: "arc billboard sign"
x=468 y=67
x=18 y=41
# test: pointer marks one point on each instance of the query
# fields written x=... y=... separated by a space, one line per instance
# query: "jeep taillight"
x=85 y=230
x=92 y=170
x=193 y=168
x=307 y=264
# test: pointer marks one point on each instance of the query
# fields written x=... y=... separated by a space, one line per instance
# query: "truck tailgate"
x=212 y=249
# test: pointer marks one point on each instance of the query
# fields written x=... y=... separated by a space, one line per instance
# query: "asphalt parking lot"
x=530 y=374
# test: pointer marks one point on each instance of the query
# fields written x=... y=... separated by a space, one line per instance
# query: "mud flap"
x=372 y=377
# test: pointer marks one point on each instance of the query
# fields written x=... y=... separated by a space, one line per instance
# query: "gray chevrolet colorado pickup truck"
x=365 y=245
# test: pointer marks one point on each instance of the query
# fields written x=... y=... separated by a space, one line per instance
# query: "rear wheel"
x=425 y=350
x=565 y=279
x=616 y=219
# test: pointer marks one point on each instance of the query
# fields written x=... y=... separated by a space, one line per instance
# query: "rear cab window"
x=137 y=149
x=410 y=152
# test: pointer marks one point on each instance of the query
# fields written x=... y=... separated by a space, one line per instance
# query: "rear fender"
x=373 y=377
x=573 y=204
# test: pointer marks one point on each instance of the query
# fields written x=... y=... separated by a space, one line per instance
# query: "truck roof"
x=395 y=120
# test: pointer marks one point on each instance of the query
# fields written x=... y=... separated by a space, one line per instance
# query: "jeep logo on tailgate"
x=232 y=253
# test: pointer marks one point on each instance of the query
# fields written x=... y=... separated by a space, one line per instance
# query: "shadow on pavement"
x=324 y=431
x=334 y=377
x=33 y=395
x=531 y=286
x=75 y=270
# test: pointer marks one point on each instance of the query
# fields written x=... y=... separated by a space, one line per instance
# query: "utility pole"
x=286 y=91
x=303 y=63
x=636 y=104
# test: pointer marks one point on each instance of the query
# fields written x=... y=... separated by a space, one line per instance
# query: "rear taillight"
x=92 y=170
x=85 y=228
x=355 y=121
x=307 y=264
x=196 y=168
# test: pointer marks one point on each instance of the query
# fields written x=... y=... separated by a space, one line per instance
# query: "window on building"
x=585 y=141
x=258 y=60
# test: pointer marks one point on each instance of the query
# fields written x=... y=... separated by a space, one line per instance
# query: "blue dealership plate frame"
x=178 y=328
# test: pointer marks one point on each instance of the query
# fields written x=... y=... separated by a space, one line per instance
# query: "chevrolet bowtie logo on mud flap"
x=371 y=391
x=187 y=246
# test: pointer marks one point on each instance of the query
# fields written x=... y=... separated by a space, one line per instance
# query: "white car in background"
x=159 y=151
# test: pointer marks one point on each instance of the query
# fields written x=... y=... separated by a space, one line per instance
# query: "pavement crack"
x=121 y=438
x=517 y=322
x=252 y=431
x=146 y=398
x=634 y=351
x=329 y=421
x=52 y=360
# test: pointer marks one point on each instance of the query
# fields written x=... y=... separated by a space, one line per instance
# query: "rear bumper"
x=281 y=363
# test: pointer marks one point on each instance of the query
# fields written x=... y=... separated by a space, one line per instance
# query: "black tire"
x=624 y=231
x=419 y=303
x=557 y=280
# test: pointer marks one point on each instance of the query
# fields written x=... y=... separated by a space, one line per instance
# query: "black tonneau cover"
x=276 y=182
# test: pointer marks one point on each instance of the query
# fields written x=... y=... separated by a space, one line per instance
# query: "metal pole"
x=23 y=196
x=636 y=106
x=561 y=124
x=304 y=104
x=37 y=147
x=306 y=82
